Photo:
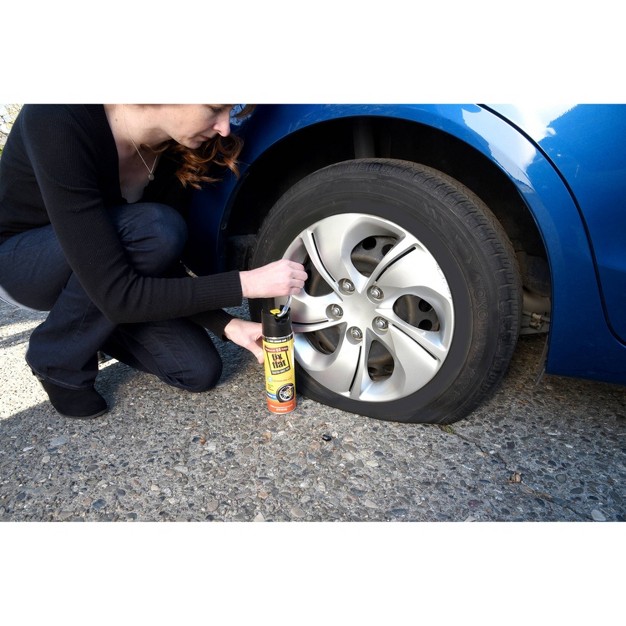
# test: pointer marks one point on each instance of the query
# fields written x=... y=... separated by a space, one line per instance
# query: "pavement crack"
x=514 y=476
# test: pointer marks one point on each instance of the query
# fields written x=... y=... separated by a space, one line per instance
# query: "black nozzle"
x=274 y=326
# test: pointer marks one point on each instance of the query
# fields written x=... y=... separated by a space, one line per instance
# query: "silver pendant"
x=150 y=176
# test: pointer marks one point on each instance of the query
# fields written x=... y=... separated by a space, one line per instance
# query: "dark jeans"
x=63 y=349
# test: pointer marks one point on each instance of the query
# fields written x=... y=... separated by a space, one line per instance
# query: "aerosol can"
x=280 y=375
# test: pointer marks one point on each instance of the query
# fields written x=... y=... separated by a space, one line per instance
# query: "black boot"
x=80 y=403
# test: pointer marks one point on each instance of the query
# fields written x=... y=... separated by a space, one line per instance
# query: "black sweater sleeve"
x=67 y=161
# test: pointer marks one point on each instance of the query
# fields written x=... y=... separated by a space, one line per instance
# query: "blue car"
x=433 y=235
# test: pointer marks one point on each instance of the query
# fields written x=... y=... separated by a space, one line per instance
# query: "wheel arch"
x=436 y=136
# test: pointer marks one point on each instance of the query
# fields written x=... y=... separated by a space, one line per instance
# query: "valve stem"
x=285 y=308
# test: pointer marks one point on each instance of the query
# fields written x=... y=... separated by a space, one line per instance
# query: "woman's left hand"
x=246 y=334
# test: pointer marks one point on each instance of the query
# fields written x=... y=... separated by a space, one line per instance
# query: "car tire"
x=412 y=308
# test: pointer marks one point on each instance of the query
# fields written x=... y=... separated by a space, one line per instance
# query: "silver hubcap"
x=376 y=318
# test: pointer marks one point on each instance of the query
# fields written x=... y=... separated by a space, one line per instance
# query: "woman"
x=92 y=229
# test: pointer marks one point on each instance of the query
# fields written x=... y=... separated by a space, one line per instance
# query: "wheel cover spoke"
x=335 y=371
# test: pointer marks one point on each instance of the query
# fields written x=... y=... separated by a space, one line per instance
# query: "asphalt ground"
x=538 y=451
x=546 y=451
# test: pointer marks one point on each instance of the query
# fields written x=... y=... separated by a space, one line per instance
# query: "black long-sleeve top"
x=60 y=167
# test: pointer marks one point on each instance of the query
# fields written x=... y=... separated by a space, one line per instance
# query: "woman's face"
x=193 y=124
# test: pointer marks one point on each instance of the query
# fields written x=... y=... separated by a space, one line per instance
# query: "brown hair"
x=196 y=163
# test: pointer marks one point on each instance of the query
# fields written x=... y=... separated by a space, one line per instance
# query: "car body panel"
x=558 y=171
x=586 y=144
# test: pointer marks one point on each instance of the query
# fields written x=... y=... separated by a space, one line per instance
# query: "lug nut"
x=376 y=293
x=346 y=285
x=381 y=323
x=336 y=311
x=356 y=333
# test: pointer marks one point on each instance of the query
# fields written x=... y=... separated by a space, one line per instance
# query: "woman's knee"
x=153 y=234
x=199 y=374
x=179 y=352
x=203 y=379
x=198 y=366
x=33 y=269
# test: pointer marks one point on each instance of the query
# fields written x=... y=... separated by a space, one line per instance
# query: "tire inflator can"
x=280 y=378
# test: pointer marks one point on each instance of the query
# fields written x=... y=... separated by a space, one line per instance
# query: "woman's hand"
x=280 y=278
x=246 y=334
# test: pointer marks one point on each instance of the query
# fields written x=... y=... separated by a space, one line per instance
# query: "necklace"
x=156 y=158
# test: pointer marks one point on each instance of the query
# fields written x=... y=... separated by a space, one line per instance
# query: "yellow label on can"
x=280 y=383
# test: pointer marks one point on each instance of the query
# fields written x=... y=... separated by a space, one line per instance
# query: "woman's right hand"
x=280 y=278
